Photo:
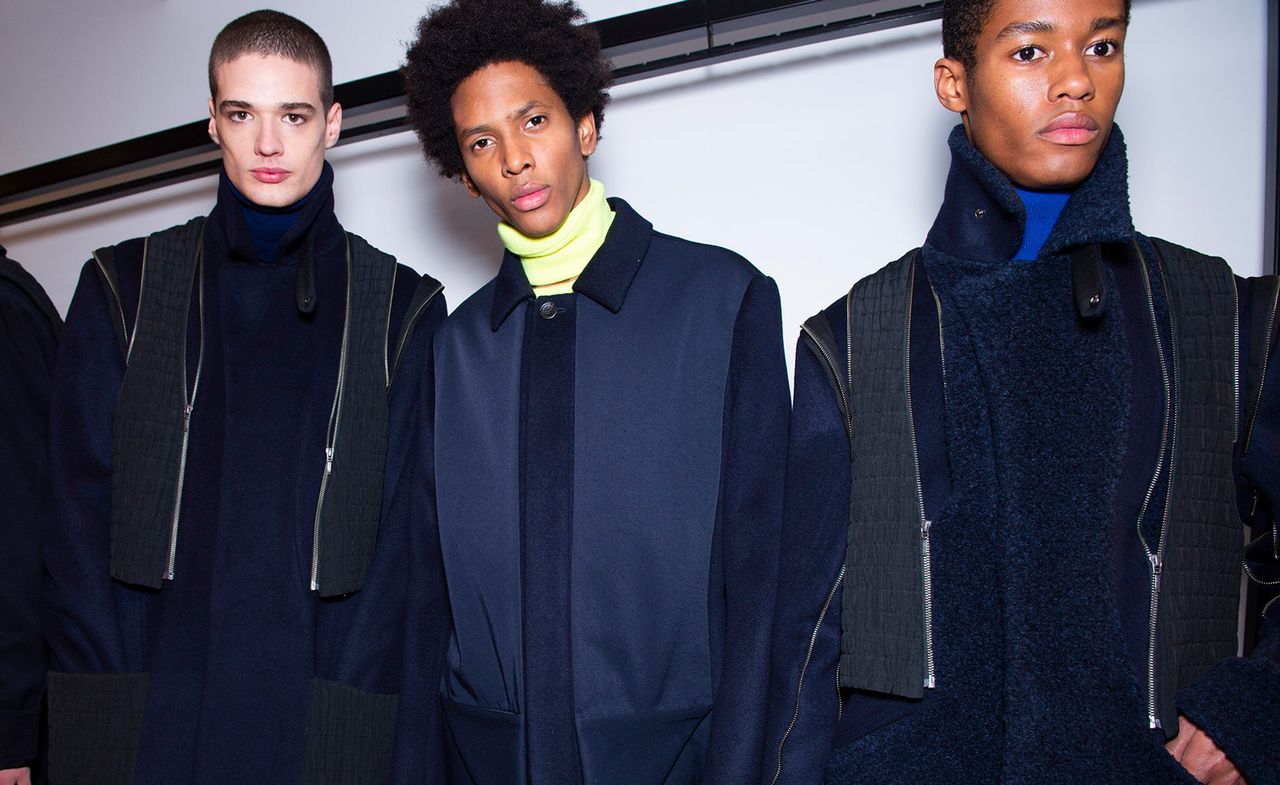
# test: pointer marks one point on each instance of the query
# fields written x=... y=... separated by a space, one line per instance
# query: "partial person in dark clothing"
x=1020 y=457
x=29 y=327
x=236 y=402
x=614 y=409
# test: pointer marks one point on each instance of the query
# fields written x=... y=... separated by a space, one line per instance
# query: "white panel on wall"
x=819 y=163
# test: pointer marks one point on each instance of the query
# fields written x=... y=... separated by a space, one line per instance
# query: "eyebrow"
x=483 y=127
x=295 y=107
x=1023 y=28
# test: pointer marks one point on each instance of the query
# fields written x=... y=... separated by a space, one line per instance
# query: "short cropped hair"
x=269 y=33
x=962 y=22
x=458 y=39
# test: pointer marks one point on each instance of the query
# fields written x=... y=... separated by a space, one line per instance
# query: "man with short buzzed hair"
x=234 y=407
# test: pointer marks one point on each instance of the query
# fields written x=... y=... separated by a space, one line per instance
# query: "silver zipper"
x=405 y=335
x=331 y=435
x=926 y=566
x=1168 y=445
x=124 y=329
x=804 y=667
x=1271 y=318
x=189 y=406
x=1235 y=361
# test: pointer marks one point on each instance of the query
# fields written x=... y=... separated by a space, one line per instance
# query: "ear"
x=949 y=81
x=587 y=136
x=332 y=125
x=470 y=186
x=213 y=126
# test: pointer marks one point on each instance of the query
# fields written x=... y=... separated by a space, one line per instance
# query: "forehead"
x=1065 y=15
x=267 y=79
x=497 y=90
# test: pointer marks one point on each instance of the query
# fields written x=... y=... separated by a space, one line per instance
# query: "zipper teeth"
x=386 y=328
x=1235 y=361
x=1248 y=571
x=142 y=281
x=1266 y=355
x=804 y=667
x=124 y=330
x=1157 y=563
x=189 y=406
x=844 y=401
x=331 y=435
x=839 y=697
x=942 y=343
x=926 y=566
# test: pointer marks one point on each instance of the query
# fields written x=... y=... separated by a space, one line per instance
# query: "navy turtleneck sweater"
x=268 y=225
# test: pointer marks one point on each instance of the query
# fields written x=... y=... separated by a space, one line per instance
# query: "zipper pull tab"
x=924 y=529
x=186 y=417
x=328 y=460
x=1157 y=567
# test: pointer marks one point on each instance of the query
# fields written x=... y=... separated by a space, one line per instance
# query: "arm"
x=1235 y=707
x=80 y=607
x=804 y=701
x=27 y=347
x=749 y=518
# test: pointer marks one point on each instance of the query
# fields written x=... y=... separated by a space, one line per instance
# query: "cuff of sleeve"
x=19 y=736
x=350 y=735
x=1237 y=703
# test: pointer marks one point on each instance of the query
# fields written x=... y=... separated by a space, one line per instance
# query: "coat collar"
x=983 y=219
x=312 y=229
x=607 y=277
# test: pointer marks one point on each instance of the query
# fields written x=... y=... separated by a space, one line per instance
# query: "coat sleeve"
x=749 y=517
x=80 y=604
x=27 y=346
x=1237 y=703
x=804 y=696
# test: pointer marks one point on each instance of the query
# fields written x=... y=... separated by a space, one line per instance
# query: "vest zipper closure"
x=1168 y=440
x=1271 y=318
x=188 y=407
x=124 y=329
x=804 y=667
x=926 y=560
x=331 y=434
x=404 y=330
x=844 y=401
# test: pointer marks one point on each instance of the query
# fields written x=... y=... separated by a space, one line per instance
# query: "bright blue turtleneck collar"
x=1043 y=209
x=267 y=225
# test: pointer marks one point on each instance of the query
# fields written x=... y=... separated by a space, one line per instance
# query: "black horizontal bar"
x=645 y=43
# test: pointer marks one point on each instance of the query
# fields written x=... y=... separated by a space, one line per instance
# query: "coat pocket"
x=95 y=723
x=350 y=736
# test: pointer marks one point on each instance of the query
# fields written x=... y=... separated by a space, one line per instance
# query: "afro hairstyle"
x=459 y=38
x=271 y=33
x=962 y=22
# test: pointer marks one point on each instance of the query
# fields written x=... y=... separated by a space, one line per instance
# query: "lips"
x=268 y=174
x=1071 y=128
x=531 y=196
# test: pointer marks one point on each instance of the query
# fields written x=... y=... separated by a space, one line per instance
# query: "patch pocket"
x=95 y=723
x=350 y=736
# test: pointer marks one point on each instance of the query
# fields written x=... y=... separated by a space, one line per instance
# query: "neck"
x=553 y=262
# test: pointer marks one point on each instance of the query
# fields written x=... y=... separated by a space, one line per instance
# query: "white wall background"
x=819 y=163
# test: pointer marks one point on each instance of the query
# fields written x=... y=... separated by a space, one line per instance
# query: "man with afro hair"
x=610 y=438
x=1019 y=461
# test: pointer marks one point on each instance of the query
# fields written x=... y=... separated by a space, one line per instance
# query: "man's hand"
x=1201 y=758
x=20 y=776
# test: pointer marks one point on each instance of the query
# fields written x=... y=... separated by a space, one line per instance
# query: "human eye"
x=1103 y=48
x=295 y=119
x=1027 y=54
x=238 y=116
x=483 y=143
x=535 y=121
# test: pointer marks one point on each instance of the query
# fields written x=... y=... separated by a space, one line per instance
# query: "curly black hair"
x=458 y=39
x=962 y=22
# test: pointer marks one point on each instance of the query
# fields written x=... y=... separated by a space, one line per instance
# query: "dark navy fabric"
x=232 y=643
x=28 y=341
x=678 y=440
x=268 y=225
x=1036 y=604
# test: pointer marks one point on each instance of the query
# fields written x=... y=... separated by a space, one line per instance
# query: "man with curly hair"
x=1019 y=461
x=611 y=432
x=235 y=403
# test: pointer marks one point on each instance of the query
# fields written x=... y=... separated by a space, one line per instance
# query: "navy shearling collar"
x=607 y=277
x=983 y=219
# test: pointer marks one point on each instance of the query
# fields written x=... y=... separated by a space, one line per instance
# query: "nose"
x=268 y=143
x=1071 y=79
x=516 y=157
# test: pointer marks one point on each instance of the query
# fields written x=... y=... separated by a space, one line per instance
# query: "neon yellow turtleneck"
x=553 y=262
